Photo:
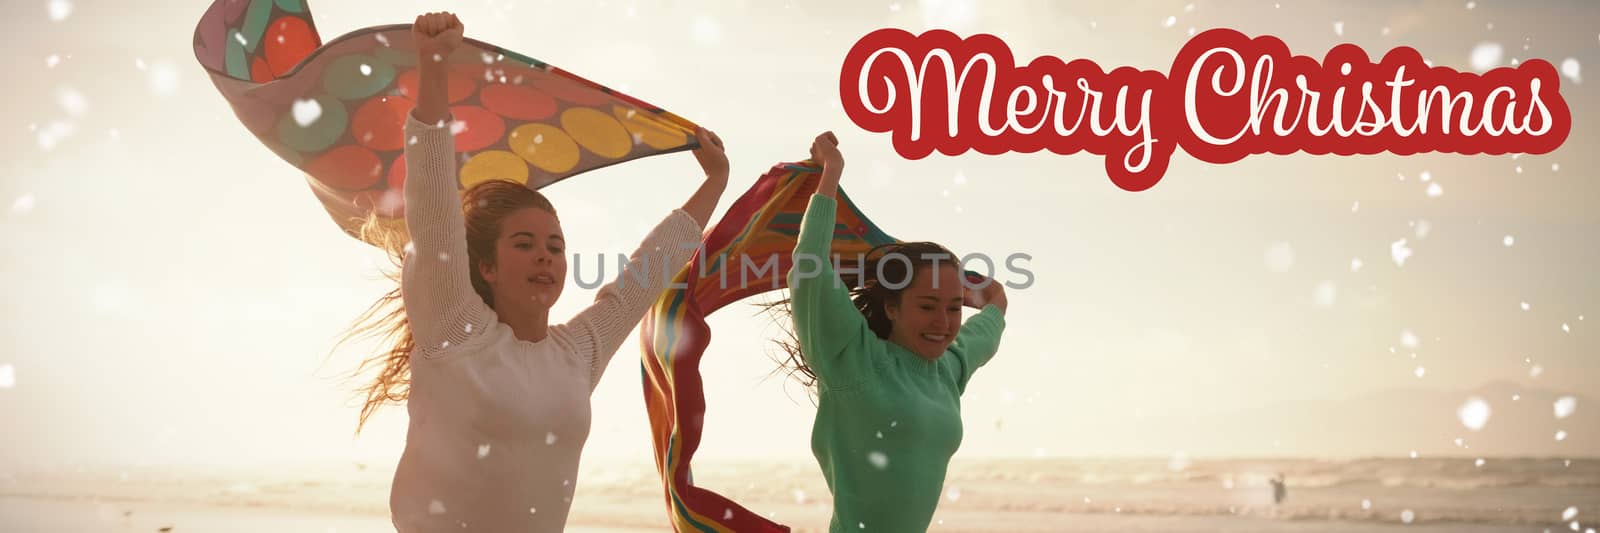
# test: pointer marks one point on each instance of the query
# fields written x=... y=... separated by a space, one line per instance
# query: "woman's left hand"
x=713 y=159
x=993 y=293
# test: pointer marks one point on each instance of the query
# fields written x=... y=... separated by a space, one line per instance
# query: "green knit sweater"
x=887 y=420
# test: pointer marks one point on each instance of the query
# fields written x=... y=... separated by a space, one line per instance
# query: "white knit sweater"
x=497 y=423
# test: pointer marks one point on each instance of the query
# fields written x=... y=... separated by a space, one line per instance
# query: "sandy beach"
x=74 y=516
x=1021 y=495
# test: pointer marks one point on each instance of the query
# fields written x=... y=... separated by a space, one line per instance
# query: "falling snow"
x=879 y=460
x=1355 y=265
x=1474 y=414
x=1569 y=514
x=1486 y=56
x=1569 y=68
x=1407 y=516
x=59 y=10
x=306 y=112
x=8 y=376
x=53 y=133
x=1408 y=339
x=1399 y=252
x=1508 y=241
x=1565 y=405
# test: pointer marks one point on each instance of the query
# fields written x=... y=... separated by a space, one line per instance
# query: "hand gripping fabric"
x=748 y=252
x=337 y=111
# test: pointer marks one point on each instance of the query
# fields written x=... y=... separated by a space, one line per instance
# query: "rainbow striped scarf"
x=762 y=225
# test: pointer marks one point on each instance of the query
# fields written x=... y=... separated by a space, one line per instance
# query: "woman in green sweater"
x=890 y=358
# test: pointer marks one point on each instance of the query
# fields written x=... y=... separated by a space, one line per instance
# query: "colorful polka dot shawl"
x=336 y=110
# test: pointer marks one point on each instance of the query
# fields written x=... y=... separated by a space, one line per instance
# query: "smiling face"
x=928 y=314
x=529 y=264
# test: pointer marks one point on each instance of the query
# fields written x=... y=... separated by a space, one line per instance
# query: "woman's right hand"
x=436 y=35
x=825 y=152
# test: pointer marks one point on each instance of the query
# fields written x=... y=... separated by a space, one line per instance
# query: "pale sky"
x=172 y=289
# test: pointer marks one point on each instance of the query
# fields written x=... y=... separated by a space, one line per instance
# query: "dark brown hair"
x=871 y=295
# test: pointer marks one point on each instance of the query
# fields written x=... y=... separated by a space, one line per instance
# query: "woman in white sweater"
x=498 y=397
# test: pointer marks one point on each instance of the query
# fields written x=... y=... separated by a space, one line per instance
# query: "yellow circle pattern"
x=597 y=132
x=649 y=129
x=493 y=165
x=544 y=146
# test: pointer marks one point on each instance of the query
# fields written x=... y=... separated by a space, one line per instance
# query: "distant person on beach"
x=890 y=358
x=498 y=397
x=1279 y=490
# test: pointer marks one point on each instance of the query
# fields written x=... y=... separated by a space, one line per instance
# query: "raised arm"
x=604 y=325
x=601 y=328
x=436 y=285
x=979 y=338
x=714 y=161
x=826 y=322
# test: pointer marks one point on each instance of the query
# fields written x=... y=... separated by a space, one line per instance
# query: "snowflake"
x=1399 y=252
x=306 y=112
x=1486 y=56
x=1473 y=414
x=1565 y=405
x=59 y=10
x=1569 y=68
